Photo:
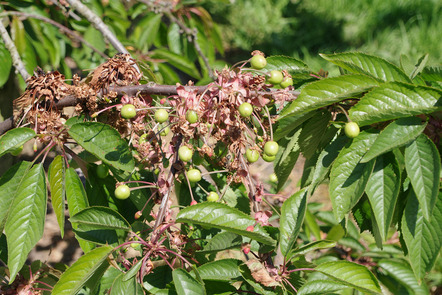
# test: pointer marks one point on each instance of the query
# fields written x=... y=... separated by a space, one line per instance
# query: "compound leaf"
x=221 y=216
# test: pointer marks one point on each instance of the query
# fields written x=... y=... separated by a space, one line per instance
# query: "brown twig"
x=55 y=24
x=16 y=60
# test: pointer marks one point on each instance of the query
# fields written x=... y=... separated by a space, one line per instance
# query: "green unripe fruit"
x=245 y=109
x=102 y=171
x=191 y=116
x=271 y=148
x=286 y=82
x=165 y=131
x=128 y=111
x=185 y=154
x=268 y=158
x=275 y=77
x=212 y=197
x=194 y=175
x=258 y=62
x=351 y=129
x=252 y=155
x=273 y=178
x=161 y=115
x=122 y=192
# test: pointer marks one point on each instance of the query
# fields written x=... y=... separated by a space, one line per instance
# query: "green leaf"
x=292 y=216
x=323 y=244
x=312 y=132
x=15 y=138
x=131 y=273
x=361 y=63
x=174 y=38
x=6 y=62
x=419 y=66
x=422 y=237
x=287 y=124
x=26 y=218
x=76 y=276
x=319 y=287
x=431 y=74
x=149 y=28
x=220 y=270
x=401 y=271
x=395 y=100
x=9 y=183
x=95 y=38
x=280 y=62
x=383 y=190
x=97 y=217
x=179 y=61
x=222 y=241
x=328 y=91
x=351 y=274
x=325 y=160
x=57 y=186
x=422 y=163
x=185 y=284
x=123 y=287
x=104 y=142
x=348 y=176
x=396 y=134
x=76 y=199
x=286 y=158
x=221 y=216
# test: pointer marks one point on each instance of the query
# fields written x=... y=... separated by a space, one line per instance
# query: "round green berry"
x=194 y=175
x=191 y=116
x=212 y=197
x=165 y=131
x=351 y=129
x=258 y=62
x=271 y=148
x=245 y=109
x=185 y=154
x=161 y=115
x=102 y=171
x=268 y=158
x=128 y=111
x=252 y=155
x=273 y=178
x=275 y=77
x=122 y=192
x=286 y=82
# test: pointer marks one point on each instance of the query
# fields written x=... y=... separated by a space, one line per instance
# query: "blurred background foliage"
x=304 y=28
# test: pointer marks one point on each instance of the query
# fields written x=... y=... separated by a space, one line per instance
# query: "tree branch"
x=58 y=25
x=16 y=60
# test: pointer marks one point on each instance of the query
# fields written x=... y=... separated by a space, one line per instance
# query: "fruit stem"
x=252 y=191
x=270 y=122
x=345 y=112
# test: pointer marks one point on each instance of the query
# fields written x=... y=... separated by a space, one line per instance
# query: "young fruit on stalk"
x=258 y=62
x=273 y=178
x=286 y=82
x=102 y=171
x=165 y=131
x=191 y=116
x=161 y=115
x=271 y=148
x=122 y=192
x=351 y=129
x=275 y=77
x=185 y=154
x=194 y=175
x=252 y=155
x=128 y=111
x=212 y=197
x=245 y=109
x=268 y=158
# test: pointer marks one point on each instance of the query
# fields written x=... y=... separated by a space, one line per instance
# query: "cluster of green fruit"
x=274 y=77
